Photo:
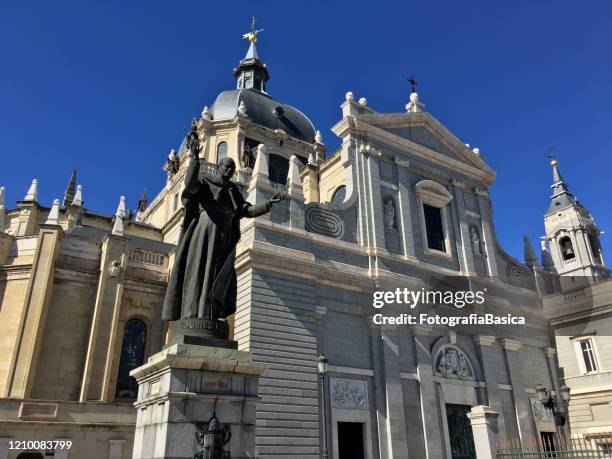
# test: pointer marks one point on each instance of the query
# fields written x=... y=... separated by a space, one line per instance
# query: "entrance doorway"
x=460 y=432
x=350 y=440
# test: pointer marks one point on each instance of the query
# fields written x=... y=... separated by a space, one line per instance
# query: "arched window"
x=221 y=151
x=567 y=248
x=339 y=195
x=278 y=168
x=433 y=200
x=132 y=356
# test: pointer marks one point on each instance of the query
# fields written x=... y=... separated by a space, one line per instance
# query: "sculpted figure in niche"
x=202 y=284
x=389 y=214
x=475 y=237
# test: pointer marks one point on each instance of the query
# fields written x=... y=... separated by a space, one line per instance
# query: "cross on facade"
x=413 y=83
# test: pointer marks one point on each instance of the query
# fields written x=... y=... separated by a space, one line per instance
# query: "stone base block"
x=182 y=388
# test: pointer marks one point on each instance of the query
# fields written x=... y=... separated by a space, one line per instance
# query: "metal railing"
x=581 y=446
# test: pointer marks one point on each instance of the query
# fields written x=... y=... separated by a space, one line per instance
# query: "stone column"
x=521 y=401
x=485 y=431
x=404 y=204
x=24 y=361
x=485 y=345
x=115 y=448
x=183 y=390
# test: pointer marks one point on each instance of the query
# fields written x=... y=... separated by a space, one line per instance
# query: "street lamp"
x=322 y=364
x=550 y=403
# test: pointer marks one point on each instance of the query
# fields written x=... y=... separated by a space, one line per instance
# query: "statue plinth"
x=202 y=332
x=196 y=402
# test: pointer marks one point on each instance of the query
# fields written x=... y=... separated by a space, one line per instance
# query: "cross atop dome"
x=252 y=35
x=252 y=73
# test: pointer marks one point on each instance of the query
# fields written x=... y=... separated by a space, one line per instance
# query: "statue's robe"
x=203 y=280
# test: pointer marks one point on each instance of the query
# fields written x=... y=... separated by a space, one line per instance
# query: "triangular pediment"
x=424 y=130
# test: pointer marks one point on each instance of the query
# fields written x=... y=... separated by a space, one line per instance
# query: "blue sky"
x=107 y=87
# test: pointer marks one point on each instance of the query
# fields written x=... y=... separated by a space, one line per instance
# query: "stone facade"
x=72 y=280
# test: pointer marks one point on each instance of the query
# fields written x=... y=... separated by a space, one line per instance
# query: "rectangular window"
x=586 y=348
x=434 y=228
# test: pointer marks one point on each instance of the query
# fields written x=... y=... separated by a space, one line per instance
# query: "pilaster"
x=521 y=401
x=487 y=231
x=22 y=369
x=103 y=332
x=429 y=405
x=464 y=245
x=485 y=345
x=394 y=397
x=295 y=194
x=28 y=218
x=405 y=208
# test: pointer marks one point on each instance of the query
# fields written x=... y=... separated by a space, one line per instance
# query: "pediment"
x=425 y=131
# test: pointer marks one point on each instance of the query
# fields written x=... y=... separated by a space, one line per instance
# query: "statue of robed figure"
x=201 y=290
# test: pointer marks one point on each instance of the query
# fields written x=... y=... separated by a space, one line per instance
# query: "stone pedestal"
x=485 y=430
x=182 y=388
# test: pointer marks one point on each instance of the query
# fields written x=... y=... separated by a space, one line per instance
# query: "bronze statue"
x=202 y=287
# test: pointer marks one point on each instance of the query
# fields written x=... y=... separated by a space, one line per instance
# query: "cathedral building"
x=403 y=203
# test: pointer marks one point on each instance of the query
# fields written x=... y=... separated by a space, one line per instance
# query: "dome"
x=265 y=111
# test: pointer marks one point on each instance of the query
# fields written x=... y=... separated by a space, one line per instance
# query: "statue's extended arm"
x=250 y=211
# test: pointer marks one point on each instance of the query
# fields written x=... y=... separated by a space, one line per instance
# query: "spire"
x=70 y=190
x=547 y=262
x=530 y=257
x=561 y=196
x=252 y=73
x=32 y=194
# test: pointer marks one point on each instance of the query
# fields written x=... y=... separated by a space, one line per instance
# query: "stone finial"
x=467 y=145
x=121 y=208
x=32 y=194
x=349 y=96
x=53 y=217
x=78 y=197
x=242 y=108
x=476 y=151
x=363 y=101
x=530 y=257
x=119 y=216
x=415 y=106
x=2 y=193
x=318 y=137
x=312 y=159
x=205 y=113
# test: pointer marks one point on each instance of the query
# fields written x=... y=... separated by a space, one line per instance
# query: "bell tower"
x=571 y=233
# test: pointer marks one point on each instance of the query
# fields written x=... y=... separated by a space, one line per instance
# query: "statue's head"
x=226 y=169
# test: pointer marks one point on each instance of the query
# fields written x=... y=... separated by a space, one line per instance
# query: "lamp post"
x=551 y=403
x=322 y=364
x=565 y=396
